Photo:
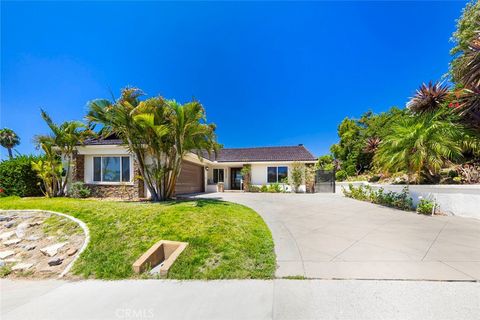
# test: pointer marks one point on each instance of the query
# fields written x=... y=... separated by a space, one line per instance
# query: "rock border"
x=82 y=225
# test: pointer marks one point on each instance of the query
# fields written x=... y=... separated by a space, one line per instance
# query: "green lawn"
x=226 y=240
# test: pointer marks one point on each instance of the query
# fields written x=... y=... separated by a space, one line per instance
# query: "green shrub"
x=263 y=188
x=17 y=177
x=79 y=190
x=351 y=170
x=397 y=200
x=340 y=175
x=425 y=206
x=452 y=173
x=252 y=188
x=274 y=188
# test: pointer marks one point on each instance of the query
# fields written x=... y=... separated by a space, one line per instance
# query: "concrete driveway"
x=328 y=236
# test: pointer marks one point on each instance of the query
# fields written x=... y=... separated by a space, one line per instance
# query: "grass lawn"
x=226 y=240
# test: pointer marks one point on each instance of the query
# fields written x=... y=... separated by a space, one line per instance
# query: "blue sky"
x=267 y=73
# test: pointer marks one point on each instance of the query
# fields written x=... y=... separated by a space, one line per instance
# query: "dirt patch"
x=37 y=244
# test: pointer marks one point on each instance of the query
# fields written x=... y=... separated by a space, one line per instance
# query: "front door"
x=236 y=178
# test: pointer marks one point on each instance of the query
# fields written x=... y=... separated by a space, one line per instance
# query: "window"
x=218 y=175
x=111 y=169
x=276 y=174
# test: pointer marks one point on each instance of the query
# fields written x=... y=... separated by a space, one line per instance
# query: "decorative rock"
x=10 y=224
x=30 y=247
x=33 y=238
x=22 y=266
x=6 y=235
x=55 y=262
x=11 y=242
x=5 y=218
x=6 y=254
x=53 y=249
x=11 y=260
x=71 y=251
x=34 y=223
x=21 y=228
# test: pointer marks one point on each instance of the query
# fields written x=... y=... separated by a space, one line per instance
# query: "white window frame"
x=130 y=182
x=276 y=173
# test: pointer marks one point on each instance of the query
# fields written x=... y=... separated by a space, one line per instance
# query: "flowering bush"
x=397 y=200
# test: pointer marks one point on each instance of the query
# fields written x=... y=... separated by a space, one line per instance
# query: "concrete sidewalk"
x=237 y=299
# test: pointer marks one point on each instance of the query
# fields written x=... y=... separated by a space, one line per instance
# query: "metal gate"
x=325 y=181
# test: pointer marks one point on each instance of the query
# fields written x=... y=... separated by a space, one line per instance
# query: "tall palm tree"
x=165 y=131
x=422 y=145
x=189 y=133
x=428 y=98
x=9 y=139
x=66 y=136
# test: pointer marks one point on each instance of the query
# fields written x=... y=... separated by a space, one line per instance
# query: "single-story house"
x=109 y=170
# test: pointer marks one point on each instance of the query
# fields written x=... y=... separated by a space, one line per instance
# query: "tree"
x=8 y=140
x=465 y=66
x=354 y=134
x=464 y=37
x=297 y=175
x=428 y=98
x=49 y=168
x=162 y=130
x=64 y=139
x=325 y=162
x=422 y=145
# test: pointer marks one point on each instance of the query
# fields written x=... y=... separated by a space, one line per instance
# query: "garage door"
x=191 y=179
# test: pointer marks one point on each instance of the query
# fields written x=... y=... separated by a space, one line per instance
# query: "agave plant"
x=372 y=144
x=429 y=97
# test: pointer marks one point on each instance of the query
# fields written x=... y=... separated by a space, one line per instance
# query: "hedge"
x=17 y=177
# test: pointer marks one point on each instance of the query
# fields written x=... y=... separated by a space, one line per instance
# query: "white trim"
x=112 y=183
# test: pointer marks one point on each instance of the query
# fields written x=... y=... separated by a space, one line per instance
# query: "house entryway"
x=236 y=178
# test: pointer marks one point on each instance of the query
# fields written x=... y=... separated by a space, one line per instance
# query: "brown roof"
x=263 y=154
x=256 y=154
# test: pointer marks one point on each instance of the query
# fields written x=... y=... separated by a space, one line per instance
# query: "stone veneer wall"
x=124 y=191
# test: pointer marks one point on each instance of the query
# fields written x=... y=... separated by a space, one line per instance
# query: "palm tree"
x=189 y=133
x=164 y=130
x=468 y=72
x=428 y=98
x=66 y=137
x=49 y=168
x=8 y=140
x=422 y=145
x=468 y=106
